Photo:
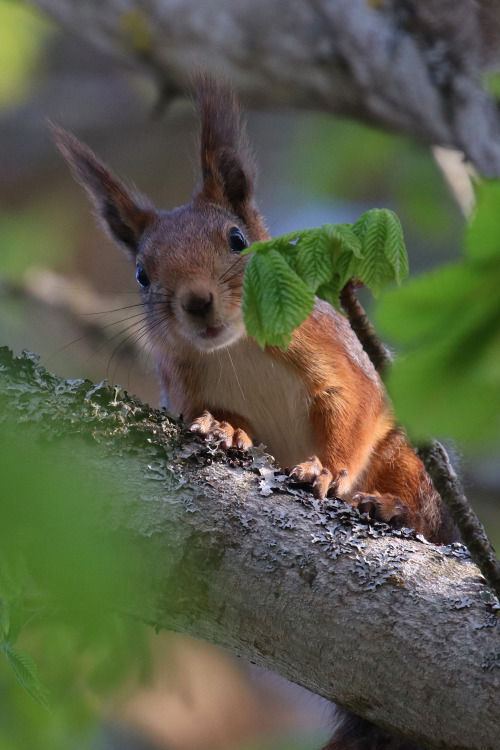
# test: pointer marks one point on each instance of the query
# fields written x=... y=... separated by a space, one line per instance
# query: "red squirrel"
x=319 y=407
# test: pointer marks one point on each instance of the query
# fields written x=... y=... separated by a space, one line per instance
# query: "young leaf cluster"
x=284 y=274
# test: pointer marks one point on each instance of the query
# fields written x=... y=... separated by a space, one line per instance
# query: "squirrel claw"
x=385 y=508
x=313 y=472
x=209 y=428
x=308 y=471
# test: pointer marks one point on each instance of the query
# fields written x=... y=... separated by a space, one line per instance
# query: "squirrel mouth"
x=212 y=332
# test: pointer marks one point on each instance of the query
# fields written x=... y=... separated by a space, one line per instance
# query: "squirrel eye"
x=142 y=277
x=237 y=241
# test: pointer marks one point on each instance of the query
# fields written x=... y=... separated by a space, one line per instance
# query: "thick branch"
x=386 y=625
x=411 y=67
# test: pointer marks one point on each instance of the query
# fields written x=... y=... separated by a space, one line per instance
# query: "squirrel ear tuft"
x=124 y=215
x=227 y=164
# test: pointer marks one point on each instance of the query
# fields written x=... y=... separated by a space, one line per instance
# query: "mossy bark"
x=225 y=549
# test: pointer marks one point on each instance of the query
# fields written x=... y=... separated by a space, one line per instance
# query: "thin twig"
x=433 y=454
x=447 y=483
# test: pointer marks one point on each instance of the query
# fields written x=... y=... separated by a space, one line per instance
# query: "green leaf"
x=313 y=258
x=395 y=250
x=347 y=267
x=330 y=291
x=252 y=300
x=344 y=238
x=284 y=273
x=276 y=300
x=359 y=228
x=282 y=243
x=26 y=672
x=17 y=618
x=447 y=380
x=482 y=237
x=384 y=254
x=431 y=303
x=4 y=621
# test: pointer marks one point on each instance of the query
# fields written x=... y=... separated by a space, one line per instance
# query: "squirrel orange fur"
x=319 y=407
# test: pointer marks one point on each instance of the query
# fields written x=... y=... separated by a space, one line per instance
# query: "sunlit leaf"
x=313 y=260
x=276 y=299
x=384 y=255
x=344 y=239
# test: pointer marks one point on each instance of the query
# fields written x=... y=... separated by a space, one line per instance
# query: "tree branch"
x=413 y=68
x=433 y=454
x=446 y=482
x=388 y=626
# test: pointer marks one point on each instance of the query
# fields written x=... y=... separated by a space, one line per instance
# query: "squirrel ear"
x=227 y=164
x=123 y=215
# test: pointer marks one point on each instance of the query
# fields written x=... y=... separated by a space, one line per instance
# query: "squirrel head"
x=188 y=261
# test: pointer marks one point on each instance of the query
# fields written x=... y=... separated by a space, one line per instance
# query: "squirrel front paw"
x=323 y=481
x=385 y=508
x=209 y=428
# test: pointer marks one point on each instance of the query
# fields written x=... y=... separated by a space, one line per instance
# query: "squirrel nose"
x=198 y=304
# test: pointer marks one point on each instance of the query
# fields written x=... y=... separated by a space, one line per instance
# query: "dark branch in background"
x=433 y=454
x=415 y=68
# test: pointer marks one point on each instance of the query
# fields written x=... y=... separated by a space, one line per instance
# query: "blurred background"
x=65 y=290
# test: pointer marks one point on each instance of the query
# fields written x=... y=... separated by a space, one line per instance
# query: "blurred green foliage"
x=23 y=33
x=447 y=323
x=37 y=236
x=62 y=644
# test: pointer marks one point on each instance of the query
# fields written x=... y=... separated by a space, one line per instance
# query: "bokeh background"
x=64 y=293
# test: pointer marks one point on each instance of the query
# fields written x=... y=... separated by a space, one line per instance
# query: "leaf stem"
x=364 y=330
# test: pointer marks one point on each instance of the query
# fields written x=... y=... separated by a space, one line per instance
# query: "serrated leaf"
x=276 y=243
x=347 y=267
x=343 y=238
x=26 y=672
x=394 y=249
x=313 y=258
x=359 y=228
x=257 y=247
x=330 y=291
x=290 y=238
x=375 y=269
x=276 y=300
x=252 y=300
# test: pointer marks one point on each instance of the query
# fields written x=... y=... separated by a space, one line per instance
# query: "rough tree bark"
x=412 y=67
x=402 y=632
